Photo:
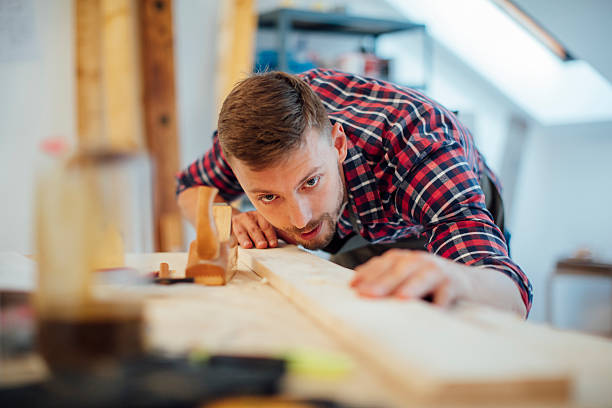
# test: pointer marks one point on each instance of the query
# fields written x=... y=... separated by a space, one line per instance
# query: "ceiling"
x=583 y=27
x=550 y=91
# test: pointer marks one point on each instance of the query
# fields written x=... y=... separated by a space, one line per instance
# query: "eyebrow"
x=310 y=173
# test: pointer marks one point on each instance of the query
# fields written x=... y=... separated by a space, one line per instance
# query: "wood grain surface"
x=424 y=351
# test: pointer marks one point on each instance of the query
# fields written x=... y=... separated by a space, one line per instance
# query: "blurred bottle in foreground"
x=90 y=209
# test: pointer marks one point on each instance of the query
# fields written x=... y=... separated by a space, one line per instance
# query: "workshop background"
x=543 y=123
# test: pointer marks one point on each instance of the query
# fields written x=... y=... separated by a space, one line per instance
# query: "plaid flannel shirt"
x=411 y=169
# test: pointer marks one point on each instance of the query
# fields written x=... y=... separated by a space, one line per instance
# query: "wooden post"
x=89 y=72
x=108 y=81
x=114 y=40
x=157 y=52
x=238 y=24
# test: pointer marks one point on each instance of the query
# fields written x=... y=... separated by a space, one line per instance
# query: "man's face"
x=303 y=195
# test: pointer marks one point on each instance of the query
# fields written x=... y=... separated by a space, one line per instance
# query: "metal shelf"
x=286 y=20
x=306 y=20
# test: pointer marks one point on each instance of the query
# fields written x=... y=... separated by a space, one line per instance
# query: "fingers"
x=268 y=230
x=421 y=283
x=371 y=269
x=406 y=275
x=444 y=295
x=382 y=275
x=376 y=266
x=251 y=229
x=241 y=234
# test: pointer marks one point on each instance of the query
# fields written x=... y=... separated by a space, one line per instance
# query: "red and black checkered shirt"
x=411 y=169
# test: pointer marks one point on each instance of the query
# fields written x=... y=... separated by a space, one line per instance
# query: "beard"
x=327 y=221
x=328 y=228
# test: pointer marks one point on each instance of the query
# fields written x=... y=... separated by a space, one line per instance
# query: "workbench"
x=393 y=353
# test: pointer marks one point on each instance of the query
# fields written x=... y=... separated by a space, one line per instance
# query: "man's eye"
x=267 y=198
x=311 y=182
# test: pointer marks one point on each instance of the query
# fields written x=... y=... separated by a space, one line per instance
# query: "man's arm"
x=468 y=256
x=416 y=274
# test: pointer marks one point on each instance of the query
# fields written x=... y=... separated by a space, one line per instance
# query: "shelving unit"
x=286 y=20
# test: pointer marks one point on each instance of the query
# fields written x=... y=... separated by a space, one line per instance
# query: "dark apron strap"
x=493 y=201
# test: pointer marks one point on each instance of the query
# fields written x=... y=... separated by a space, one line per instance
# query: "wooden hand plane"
x=211 y=261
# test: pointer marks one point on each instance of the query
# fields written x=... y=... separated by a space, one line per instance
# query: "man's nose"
x=300 y=213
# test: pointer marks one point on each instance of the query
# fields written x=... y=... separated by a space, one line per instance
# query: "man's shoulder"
x=382 y=116
x=342 y=88
x=322 y=73
x=320 y=78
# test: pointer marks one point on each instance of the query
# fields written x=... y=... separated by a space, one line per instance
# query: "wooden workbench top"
x=394 y=353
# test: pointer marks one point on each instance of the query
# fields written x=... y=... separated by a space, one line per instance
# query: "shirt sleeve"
x=212 y=169
x=441 y=193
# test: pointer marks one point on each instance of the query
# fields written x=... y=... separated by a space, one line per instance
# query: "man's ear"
x=339 y=141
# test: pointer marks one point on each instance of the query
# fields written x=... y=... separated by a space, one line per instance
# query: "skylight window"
x=553 y=91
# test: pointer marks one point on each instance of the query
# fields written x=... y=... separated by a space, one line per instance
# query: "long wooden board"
x=157 y=62
x=236 y=45
x=248 y=316
x=588 y=357
x=423 y=351
x=108 y=78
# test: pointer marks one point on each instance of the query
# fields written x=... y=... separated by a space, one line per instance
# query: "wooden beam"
x=122 y=74
x=157 y=50
x=420 y=350
x=108 y=80
x=90 y=111
x=238 y=26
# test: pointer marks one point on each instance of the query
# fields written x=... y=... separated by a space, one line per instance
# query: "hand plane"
x=211 y=261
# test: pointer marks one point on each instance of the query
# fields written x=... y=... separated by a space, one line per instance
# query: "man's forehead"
x=278 y=179
x=313 y=150
x=289 y=171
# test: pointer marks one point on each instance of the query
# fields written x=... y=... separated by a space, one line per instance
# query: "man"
x=324 y=156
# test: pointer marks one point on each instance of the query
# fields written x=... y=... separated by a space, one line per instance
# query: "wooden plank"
x=423 y=351
x=248 y=316
x=238 y=26
x=108 y=80
x=588 y=357
x=583 y=267
x=157 y=57
x=90 y=109
x=121 y=75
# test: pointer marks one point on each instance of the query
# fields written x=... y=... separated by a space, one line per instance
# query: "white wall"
x=563 y=204
x=36 y=101
x=196 y=24
x=195 y=48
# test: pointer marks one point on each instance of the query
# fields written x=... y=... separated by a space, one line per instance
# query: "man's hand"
x=411 y=275
x=415 y=274
x=250 y=229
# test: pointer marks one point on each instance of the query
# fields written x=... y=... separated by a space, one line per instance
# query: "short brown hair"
x=266 y=115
